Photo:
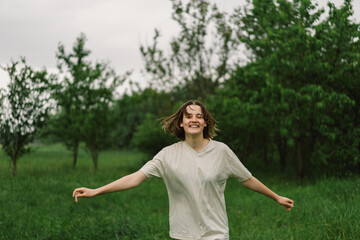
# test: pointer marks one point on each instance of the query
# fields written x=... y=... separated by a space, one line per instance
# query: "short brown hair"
x=172 y=123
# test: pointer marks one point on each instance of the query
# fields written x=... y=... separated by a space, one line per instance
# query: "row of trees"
x=296 y=100
x=299 y=96
x=73 y=106
x=294 y=103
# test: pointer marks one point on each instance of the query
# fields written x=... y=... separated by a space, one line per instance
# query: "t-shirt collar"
x=206 y=149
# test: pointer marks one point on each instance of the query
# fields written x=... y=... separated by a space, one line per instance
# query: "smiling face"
x=193 y=121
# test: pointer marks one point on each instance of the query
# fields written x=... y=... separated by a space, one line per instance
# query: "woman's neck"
x=197 y=143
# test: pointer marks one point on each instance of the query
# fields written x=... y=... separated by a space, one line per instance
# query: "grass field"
x=37 y=203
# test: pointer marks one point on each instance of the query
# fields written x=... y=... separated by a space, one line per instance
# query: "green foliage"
x=25 y=108
x=130 y=111
x=68 y=93
x=84 y=97
x=192 y=66
x=150 y=138
x=98 y=98
x=239 y=115
x=297 y=99
x=197 y=62
x=294 y=104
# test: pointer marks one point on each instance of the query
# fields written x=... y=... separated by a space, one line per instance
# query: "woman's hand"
x=83 y=192
x=286 y=202
x=124 y=183
x=255 y=185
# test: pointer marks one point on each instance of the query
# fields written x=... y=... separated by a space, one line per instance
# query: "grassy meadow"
x=38 y=203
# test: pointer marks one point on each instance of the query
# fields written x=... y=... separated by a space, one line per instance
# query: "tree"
x=68 y=94
x=340 y=55
x=299 y=90
x=192 y=66
x=83 y=97
x=24 y=110
x=239 y=110
x=98 y=97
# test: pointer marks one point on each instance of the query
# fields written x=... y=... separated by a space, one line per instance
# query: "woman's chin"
x=193 y=133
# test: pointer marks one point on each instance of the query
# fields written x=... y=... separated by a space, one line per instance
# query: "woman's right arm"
x=127 y=182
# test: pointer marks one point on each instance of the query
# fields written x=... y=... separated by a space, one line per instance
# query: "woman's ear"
x=181 y=124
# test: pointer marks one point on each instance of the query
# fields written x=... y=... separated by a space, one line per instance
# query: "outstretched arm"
x=255 y=185
x=127 y=182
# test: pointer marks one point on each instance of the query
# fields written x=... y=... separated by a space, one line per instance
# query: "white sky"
x=114 y=29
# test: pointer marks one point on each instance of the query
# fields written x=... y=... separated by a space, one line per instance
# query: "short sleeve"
x=154 y=167
x=235 y=168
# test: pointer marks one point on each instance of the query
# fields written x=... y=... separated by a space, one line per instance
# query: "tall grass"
x=37 y=203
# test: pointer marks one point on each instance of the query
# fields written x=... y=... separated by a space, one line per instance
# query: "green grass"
x=37 y=203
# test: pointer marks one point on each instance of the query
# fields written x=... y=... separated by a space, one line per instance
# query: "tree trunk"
x=301 y=161
x=95 y=156
x=75 y=154
x=14 y=161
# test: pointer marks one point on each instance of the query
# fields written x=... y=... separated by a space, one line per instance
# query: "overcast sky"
x=114 y=29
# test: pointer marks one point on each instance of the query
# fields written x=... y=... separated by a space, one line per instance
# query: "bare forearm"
x=124 y=183
x=255 y=185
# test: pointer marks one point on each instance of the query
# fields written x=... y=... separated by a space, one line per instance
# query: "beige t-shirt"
x=195 y=184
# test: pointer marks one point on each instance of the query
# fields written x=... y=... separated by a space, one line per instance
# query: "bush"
x=150 y=137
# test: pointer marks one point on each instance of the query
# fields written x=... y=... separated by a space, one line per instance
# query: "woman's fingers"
x=287 y=203
x=74 y=192
x=79 y=192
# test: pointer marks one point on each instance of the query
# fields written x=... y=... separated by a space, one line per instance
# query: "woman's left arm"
x=255 y=185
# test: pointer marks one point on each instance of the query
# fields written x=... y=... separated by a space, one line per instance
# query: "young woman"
x=194 y=171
